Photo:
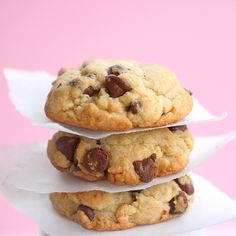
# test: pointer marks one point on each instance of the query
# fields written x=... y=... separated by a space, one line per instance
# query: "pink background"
x=196 y=39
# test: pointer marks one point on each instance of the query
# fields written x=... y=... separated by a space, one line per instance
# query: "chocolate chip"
x=145 y=168
x=187 y=188
x=106 y=174
x=116 y=70
x=89 y=212
x=176 y=128
x=190 y=92
x=73 y=83
x=61 y=71
x=89 y=91
x=116 y=87
x=96 y=160
x=98 y=142
x=134 y=107
x=133 y=194
x=67 y=146
x=178 y=204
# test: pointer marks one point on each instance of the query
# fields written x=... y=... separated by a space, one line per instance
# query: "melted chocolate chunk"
x=98 y=142
x=90 y=91
x=88 y=211
x=67 y=146
x=116 y=70
x=178 y=204
x=145 y=168
x=96 y=160
x=187 y=188
x=116 y=87
x=134 y=107
x=176 y=128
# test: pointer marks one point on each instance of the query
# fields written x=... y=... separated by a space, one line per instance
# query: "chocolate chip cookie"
x=99 y=210
x=117 y=95
x=125 y=158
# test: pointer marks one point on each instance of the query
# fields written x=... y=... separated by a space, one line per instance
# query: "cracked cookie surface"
x=117 y=95
x=125 y=158
x=100 y=210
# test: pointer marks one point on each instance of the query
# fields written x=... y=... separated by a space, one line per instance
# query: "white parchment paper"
x=211 y=206
x=35 y=173
x=28 y=91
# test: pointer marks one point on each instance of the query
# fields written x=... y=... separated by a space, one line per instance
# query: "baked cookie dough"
x=100 y=210
x=125 y=158
x=117 y=95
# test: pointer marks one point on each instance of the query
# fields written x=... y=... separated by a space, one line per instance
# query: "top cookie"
x=117 y=95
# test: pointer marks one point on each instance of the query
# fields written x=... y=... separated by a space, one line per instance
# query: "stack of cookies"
x=104 y=95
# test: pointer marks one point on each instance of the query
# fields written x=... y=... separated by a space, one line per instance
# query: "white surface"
x=201 y=232
x=31 y=103
x=36 y=173
x=211 y=206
